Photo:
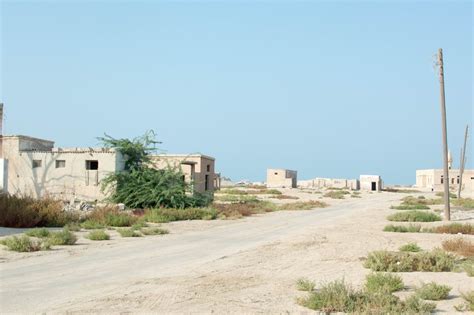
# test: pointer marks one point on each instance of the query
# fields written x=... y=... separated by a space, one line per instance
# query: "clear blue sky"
x=331 y=89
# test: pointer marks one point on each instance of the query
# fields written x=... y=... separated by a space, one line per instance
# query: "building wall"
x=352 y=184
x=368 y=181
x=281 y=178
x=431 y=179
x=3 y=175
x=38 y=169
x=204 y=169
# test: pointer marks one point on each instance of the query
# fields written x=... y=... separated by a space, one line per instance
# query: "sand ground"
x=247 y=266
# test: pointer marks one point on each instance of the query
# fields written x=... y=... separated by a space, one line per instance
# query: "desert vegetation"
x=459 y=246
x=414 y=216
x=336 y=194
x=433 y=291
x=98 y=235
x=403 y=228
x=25 y=244
x=410 y=247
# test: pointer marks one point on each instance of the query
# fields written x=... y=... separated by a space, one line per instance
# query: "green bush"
x=129 y=233
x=435 y=261
x=383 y=282
x=402 y=229
x=164 y=215
x=98 y=235
x=433 y=291
x=305 y=285
x=75 y=227
x=410 y=207
x=410 y=247
x=154 y=231
x=414 y=216
x=38 y=232
x=64 y=237
x=120 y=219
x=24 y=244
x=140 y=185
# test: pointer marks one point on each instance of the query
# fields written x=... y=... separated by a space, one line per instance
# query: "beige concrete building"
x=281 y=178
x=198 y=169
x=371 y=182
x=318 y=183
x=35 y=168
x=432 y=179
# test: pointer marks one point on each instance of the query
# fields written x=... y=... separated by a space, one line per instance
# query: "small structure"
x=281 y=178
x=352 y=184
x=433 y=180
x=370 y=182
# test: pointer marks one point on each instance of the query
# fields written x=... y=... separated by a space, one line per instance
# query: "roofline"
x=184 y=155
x=26 y=137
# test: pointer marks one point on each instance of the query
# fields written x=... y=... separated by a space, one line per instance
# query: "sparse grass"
x=236 y=198
x=403 y=228
x=74 y=227
x=234 y=191
x=284 y=197
x=414 y=216
x=111 y=216
x=243 y=209
x=141 y=223
x=38 y=232
x=336 y=194
x=453 y=228
x=25 y=244
x=129 y=232
x=464 y=203
x=64 y=237
x=400 y=190
x=305 y=285
x=410 y=247
x=303 y=205
x=98 y=235
x=92 y=225
x=459 y=246
x=410 y=207
x=433 y=291
x=163 y=215
x=469 y=298
x=441 y=194
x=154 y=231
x=337 y=296
x=383 y=282
x=435 y=261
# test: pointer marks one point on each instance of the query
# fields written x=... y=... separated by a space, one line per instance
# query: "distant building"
x=281 y=178
x=370 y=182
x=352 y=184
x=433 y=180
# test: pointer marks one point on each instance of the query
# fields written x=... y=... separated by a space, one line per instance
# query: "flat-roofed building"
x=433 y=180
x=281 y=178
x=370 y=182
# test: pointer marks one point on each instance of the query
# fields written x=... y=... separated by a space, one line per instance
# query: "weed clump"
x=64 y=237
x=433 y=291
x=38 y=232
x=336 y=194
x=410 y=247
x=129 y=232
x=383 y=282
x=454 y=228
x=92 y=225
x=414 y=216
x=154 y=231
x=434 y=261
x=24 y=244
x=98 y=235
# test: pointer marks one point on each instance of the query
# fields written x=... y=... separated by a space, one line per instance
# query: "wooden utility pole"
x=463 y=162
x=447 y=210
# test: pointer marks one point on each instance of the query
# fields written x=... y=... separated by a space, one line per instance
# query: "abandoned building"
x=352 y=184
x=370 y=182
x=433 y=180
x=34 y=167
x=281 y=178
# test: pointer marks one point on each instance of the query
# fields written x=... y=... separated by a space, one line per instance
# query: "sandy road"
x=62 y=279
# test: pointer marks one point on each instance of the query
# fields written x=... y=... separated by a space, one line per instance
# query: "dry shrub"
x=243 y=209
x=459 y=246
x=303 y=205
x=284 y=197
x=454 y=228
x=24 y=212
x=111 y=216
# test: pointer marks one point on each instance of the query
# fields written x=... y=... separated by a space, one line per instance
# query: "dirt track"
x=247 y=265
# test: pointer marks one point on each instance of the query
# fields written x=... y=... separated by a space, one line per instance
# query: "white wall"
x=3 y=175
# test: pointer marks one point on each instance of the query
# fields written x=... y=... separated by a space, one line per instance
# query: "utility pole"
x=447 y=210
x=463 y=162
